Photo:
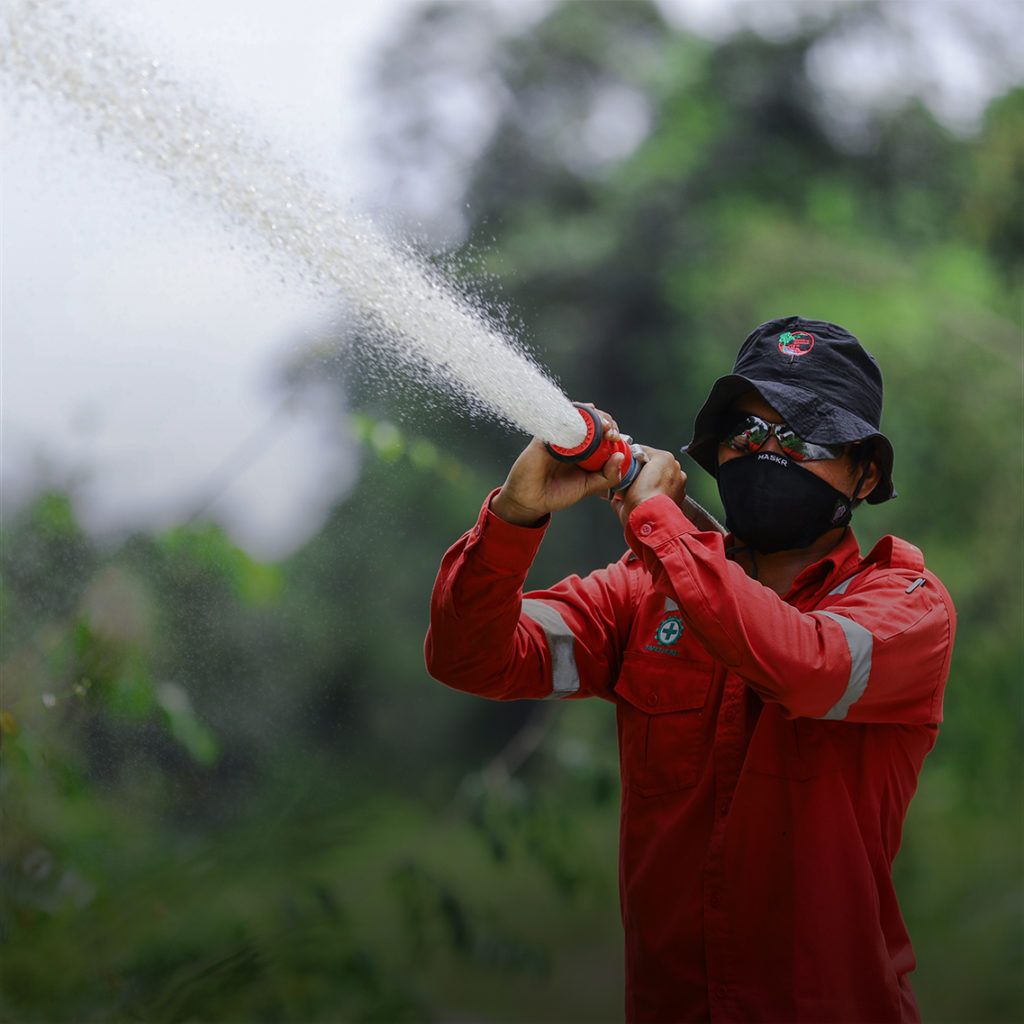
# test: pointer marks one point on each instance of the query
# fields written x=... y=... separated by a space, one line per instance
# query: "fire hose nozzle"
x=595 y=450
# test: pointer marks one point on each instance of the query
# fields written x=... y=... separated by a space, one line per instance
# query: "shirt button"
x=729 y=714
x=652 y=699
x=646 y=530
x=721 y=991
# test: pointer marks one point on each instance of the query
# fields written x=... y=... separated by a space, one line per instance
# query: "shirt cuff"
x=655 y=522
x=505 y=546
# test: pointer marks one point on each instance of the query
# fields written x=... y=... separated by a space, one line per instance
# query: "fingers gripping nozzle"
x=595 y=450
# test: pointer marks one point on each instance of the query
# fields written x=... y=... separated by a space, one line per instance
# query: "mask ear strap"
x=855 y=497
x=731 y=554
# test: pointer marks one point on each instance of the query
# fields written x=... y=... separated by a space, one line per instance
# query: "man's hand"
x=538 y=484
x=661 y=475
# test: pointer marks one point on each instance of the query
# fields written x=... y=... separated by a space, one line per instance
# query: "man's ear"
x=869 y=481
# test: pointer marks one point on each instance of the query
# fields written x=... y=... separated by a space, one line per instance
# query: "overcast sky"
x=139 y=349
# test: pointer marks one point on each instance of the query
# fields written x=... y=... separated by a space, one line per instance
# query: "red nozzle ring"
x=595 y=450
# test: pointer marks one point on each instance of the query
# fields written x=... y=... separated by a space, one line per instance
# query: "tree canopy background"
x=230 y=791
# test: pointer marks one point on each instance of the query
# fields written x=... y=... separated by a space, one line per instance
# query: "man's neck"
x=778 y=570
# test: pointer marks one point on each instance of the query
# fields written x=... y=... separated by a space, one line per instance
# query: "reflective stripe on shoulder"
x=860 y=642
x=565 y=677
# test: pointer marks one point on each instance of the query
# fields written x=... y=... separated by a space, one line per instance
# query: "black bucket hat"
x=819 y=379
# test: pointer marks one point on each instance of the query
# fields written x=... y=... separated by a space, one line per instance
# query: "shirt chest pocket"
x=664 y=730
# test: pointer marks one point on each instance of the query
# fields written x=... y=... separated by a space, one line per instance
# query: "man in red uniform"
x=776 y=692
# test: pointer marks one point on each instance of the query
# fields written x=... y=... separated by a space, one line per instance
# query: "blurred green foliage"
x=229 y=790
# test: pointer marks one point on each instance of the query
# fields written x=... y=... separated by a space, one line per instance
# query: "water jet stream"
x=128 y=103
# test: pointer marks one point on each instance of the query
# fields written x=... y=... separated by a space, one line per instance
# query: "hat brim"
x=813 y=419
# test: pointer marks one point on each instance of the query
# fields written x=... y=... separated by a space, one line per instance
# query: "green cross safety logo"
x=669 y=631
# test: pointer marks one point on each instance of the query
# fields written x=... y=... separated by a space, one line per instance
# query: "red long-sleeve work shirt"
x=769 y=748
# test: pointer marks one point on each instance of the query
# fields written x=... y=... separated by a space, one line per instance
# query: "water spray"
x=596 y=449
x=129 y=105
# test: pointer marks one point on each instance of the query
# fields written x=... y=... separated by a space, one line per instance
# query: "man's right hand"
x=538 y=484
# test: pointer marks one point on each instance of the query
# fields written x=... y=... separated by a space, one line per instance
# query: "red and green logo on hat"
x=796 y=343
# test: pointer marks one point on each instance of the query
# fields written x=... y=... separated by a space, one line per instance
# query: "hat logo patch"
x=796 y=343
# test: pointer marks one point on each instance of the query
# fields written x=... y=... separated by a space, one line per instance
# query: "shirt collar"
x=842 y=561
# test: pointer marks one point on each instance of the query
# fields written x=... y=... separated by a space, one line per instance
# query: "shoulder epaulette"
x=897 y=554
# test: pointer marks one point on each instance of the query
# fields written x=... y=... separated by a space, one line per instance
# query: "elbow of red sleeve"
x=458 y=668
x=438 y=660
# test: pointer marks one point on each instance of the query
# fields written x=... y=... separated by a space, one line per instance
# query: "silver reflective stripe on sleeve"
x=565 y=678
x=860 y=642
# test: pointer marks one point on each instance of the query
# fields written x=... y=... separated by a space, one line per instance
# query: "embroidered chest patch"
x=667 y=635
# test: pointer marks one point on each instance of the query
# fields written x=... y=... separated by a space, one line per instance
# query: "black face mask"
x=773 y=504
